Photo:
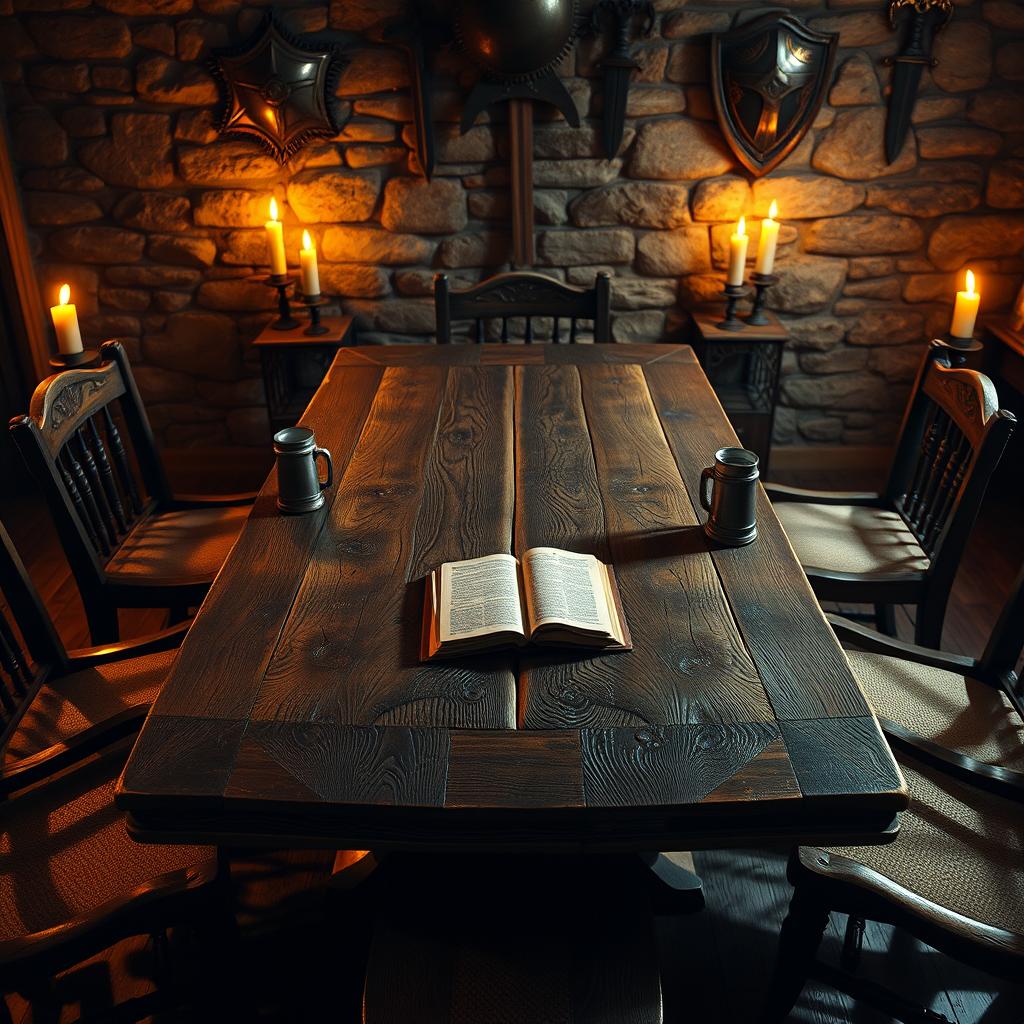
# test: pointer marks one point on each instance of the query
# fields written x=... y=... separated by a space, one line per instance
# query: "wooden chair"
x=72 y=882
x=506 y=296
x=955 y=875
x=903 y=546
x=131 y=543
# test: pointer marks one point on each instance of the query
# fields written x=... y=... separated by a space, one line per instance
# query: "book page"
x=480 y=596
x=566 y=588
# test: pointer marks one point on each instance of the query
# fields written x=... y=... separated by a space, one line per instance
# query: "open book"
x=552 y=597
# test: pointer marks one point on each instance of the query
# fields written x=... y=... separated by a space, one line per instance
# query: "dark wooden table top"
x=298 y=710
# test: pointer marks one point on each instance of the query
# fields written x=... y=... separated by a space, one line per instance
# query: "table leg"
x=674 y=886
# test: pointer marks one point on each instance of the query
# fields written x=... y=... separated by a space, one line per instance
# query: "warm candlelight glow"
x=310 y=271
x=65 y=293
x=738 y=253
x=273 y=208
x=741 y=227
x=970 y=282
x=965 y=310
x=307 y=242
x=275 y=242
x=65 y=324
x=768 y=240
x=773 y=210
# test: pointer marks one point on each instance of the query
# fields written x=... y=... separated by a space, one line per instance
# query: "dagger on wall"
x=926 y=18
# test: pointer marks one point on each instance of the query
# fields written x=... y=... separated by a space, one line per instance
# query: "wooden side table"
x=743 y=367
x=294 y=365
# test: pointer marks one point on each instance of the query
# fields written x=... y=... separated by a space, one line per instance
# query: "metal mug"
x=732 y=503
x=299 y=487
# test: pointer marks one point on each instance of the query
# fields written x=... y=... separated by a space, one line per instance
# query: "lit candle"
x=769 y=239
x=275 y=242
x=65 y=323
x=310 y=273
x=965 y=312
x=738 y=253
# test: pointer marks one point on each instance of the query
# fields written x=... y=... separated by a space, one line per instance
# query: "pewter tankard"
x=732 y=503
x=299 y=488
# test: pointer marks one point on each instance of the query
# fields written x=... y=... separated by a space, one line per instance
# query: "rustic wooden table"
x=298 y=711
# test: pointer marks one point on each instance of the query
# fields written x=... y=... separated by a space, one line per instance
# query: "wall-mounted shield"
x=768 y=79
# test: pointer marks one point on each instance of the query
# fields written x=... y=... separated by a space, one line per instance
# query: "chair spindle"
x=87 y=498
x=92 y=475
x=107 y=476
x=121 y=461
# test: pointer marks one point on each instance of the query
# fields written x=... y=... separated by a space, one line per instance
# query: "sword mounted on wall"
x=927 y=17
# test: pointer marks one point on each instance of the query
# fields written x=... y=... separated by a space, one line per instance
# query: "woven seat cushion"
x=64 y=851
x=69 y=705
x=946 y=707
x=845 y=538
x=178 y=547
x=958 y=847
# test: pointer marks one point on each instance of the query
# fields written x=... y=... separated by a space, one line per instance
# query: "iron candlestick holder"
x=733 y=293
x=958 y=348
x=313 y=304
x=84 y=360
x=762 y=282
x=285 y=321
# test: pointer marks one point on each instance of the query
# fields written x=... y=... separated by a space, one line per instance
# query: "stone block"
x=37 y=139
x=154 y=211
x=864 y=235
x=98 y=244
x=807 y=284
x=113 y=79
x=924 y=200
x=873 y=288
x=58 y=208
x=343 y=244
x=685 y=250
x=1001 y=110
x=332 y=195
x=584 y=173
x=856 y=391
x=698 y=289
x=236 y=295
x=896 y=362
x=357 y=15
x=639 y=292
x=61 y=179
x=136 y=155
x=147 y=8
x=374 y=69
x=367 y=131
x=856 y=84
x=815 y=333
x=688 y=62
x=637 y=204
x=870 y=266
x=820 y=429
x=801 y=196
x=853 y=147
x=171 y=302
x=677 y=150
x=230 y=208
x=684 y=23
x=160 y=80
x=199 y=126
x=84 y=122
x=60 y=77
x=879 y=327
x=226 y=163
x=649 y=101
x=353 y=280
x=158 y=385
x=963 y=50
x=644 y=327
x=1008 y=14
x=81 y=37
x=134 y=300
x=865 y=28
x=563 y=248
x=929 y=287
x=957 y=240
x=231 y=394
x=155 y=36
x=402 y=316
x=391 y=108
x=150 y=276
x=940 y=143
x=182 y=250
x=1006 y=185
x=199 y=36
x=480 y=249
x=435 y=207
x=937 y=108
x=721 y=199
x=360 y=156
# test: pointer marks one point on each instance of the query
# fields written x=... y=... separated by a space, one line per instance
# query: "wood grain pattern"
x=229 y=646
x=515 y=769
x=768 y=776
x=678 y=764
x=349 y=652
x=511 y=355
x=802 y=667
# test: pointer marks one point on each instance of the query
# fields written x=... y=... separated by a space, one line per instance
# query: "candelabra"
x=285 y=321
x=313 y=304
x=733 y=293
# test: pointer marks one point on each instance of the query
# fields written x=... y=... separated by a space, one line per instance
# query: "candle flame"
x=741 y=227
x=970 y=282
x=773 y=210
x=65 y=294
x=307 y=242
x=273 y=209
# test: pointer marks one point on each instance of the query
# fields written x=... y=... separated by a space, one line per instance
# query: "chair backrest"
x=953 y=436
x=29 y=644
x=89 y=445
x=507 y=296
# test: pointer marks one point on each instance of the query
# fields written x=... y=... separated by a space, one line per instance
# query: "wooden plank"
x=688 y=663
x=222 y=660
x=842 y=756
x=494 y=354
x=408 y=355
x=515 y=769
x=802 y=666
x=678 y=764
x=769 y=776
x=364 y=765
x=349 y=652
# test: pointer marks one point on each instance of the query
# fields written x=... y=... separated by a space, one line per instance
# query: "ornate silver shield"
x=768 y=79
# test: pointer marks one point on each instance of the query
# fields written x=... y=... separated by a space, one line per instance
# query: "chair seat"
x=186 y=546
x=949 y=708
x=65 y=851
x=69 y=705
x=958 y=847
x=849 y=538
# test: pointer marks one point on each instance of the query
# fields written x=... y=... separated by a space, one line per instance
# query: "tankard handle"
x=317 y=453
x=706 y=476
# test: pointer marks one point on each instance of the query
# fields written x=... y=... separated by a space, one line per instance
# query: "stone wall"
x=157 y=224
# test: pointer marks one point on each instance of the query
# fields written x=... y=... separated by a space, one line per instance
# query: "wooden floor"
x=304 y=944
